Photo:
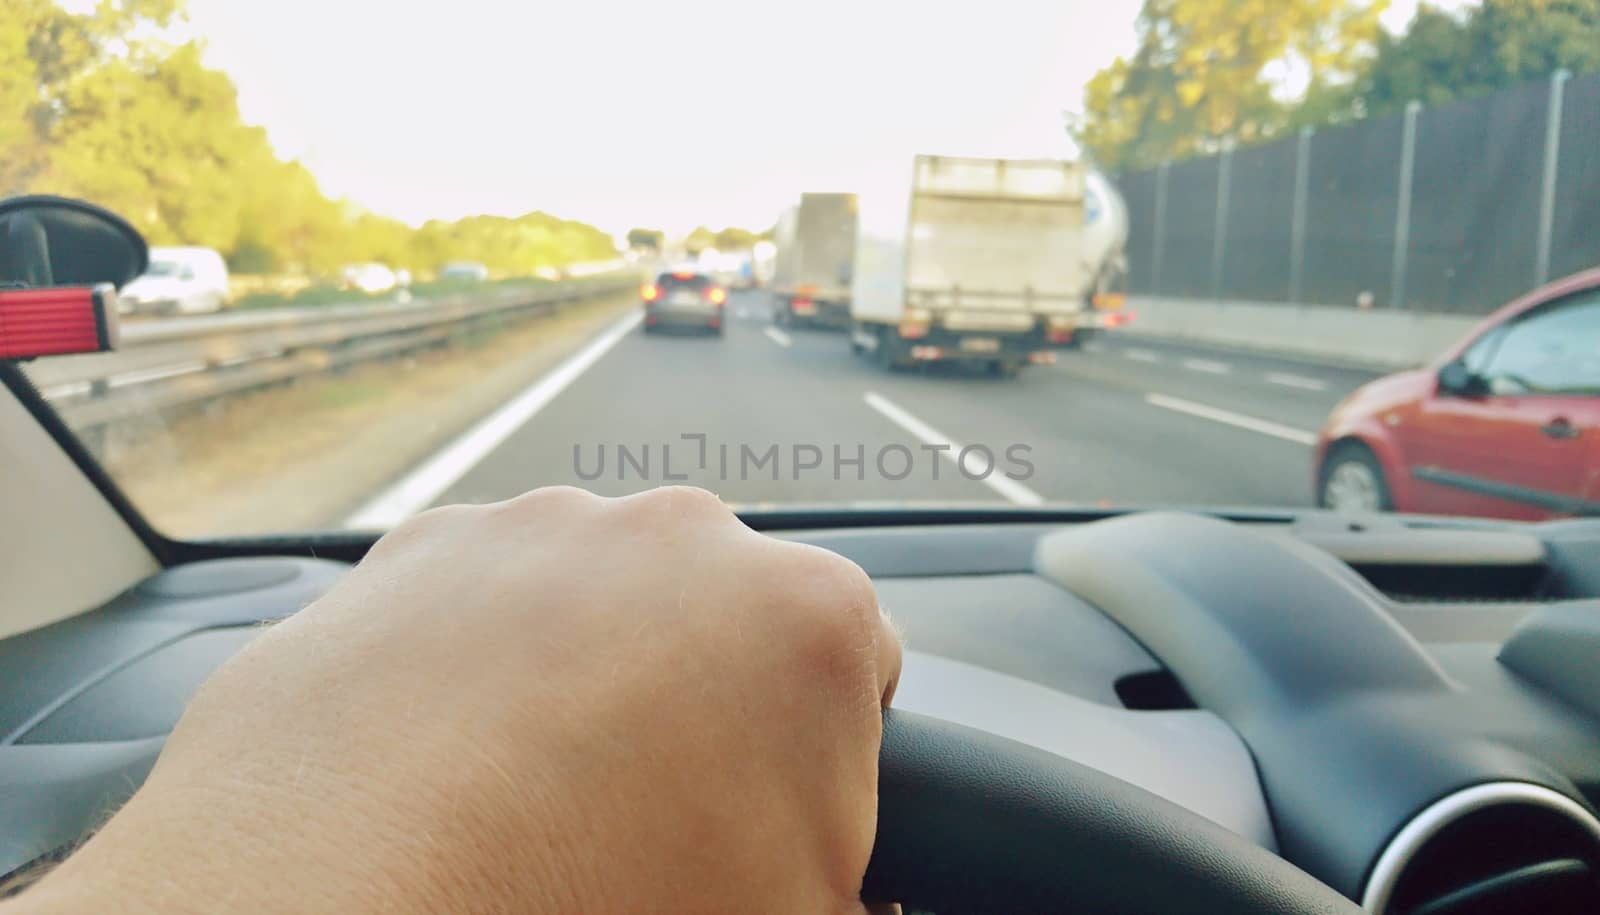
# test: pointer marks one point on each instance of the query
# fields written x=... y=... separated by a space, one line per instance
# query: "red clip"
x=56 y=321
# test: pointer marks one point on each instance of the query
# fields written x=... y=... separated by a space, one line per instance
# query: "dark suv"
x=684 y=298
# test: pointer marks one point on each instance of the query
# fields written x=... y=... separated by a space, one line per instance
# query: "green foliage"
x=699 y=240
x=1203 y=74
x=653 y=239
x=735 y=239
x=101 y=106
x=1445 y=56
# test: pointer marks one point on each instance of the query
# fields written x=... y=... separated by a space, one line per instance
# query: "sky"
x=664 y=114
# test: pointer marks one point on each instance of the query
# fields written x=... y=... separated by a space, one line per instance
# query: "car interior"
x=1265 y=711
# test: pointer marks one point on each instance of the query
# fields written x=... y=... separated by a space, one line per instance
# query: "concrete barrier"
x=1374 y=339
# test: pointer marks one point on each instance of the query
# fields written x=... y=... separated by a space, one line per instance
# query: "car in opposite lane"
x=1505 y=425
x=179 y=281
x=684 y=298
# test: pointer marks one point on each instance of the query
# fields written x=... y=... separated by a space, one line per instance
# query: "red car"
x=1505 y=425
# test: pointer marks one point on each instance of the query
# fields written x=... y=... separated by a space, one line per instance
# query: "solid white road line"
x=68 y=389
x=1228 y=417
x=996 y=480
x=1141 y=355
x=1208 y=366
x=419 y=488
x=777 y=336
x=1296 y=381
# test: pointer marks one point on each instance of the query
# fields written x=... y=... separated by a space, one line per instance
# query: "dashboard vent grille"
x=1500 y=848
x=1426 y=582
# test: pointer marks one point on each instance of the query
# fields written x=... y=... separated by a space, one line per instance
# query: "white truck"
x=999 y=262
x=815 y=261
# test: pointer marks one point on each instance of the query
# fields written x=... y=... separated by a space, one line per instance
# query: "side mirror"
x=56 y=241
x=1458 y=380
x=60 y=263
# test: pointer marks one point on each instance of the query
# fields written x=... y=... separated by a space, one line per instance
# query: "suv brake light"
x=717 y=295
x=650 y=291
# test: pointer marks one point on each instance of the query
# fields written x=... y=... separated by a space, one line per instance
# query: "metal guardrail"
x=188 y=361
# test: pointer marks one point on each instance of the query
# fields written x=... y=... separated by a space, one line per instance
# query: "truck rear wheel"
x=890 y=354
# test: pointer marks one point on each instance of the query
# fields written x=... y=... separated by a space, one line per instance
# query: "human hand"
x=555 y=703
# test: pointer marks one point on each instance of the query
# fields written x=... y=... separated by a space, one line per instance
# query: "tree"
x=1209 y=71
x=736 y=239
x=652 y=239
x=43 y=49
x=699 y=240
x=100 y=106
x=1444 y=56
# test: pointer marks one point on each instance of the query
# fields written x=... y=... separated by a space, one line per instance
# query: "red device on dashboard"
x=57 y=320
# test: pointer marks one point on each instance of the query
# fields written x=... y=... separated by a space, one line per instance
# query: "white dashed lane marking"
x=1230 y=418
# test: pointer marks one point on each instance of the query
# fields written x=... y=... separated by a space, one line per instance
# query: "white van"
x=179 y=281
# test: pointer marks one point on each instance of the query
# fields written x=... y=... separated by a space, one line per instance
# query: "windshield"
x=1035 y=254
x=164 y=268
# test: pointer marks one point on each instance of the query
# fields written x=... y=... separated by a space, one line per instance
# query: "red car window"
x=1555 y=350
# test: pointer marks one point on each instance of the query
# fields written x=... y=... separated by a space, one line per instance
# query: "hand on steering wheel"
x=569 y=703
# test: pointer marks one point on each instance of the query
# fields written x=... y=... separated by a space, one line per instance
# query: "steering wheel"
x=971 y=822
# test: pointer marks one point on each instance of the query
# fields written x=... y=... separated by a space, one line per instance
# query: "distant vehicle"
x=1503 y=425
x=999 y=264
x=763 y=261
x=686 y=297
x=815 y=262
x=369 y=278
x=465 y=271
x=178 y=281
x=724 y=267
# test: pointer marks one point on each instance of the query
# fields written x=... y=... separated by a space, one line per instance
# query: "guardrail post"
x=1160 y=234
x=1552 y=162
x=1402 y=213
x=1297 y=219
x=1219 y=237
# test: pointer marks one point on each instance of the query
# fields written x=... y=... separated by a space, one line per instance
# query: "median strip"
x=952 y=450
x=1230 y=418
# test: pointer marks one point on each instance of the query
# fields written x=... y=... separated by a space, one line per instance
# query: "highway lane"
x=1125 y=422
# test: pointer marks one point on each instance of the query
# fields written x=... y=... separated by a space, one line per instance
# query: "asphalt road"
x=1124 y=422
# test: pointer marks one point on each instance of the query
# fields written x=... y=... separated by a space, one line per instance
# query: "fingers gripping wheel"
x=970 y=822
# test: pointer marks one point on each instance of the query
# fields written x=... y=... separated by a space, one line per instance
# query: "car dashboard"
x=1407 y=709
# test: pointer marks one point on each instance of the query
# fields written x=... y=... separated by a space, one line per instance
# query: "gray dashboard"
x=1241 y=671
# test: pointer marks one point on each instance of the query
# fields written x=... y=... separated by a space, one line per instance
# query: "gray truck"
x=815 y=263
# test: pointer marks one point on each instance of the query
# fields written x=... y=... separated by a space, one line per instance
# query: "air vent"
x=1505 y=847
x=1152 y=691
x=1429 y=582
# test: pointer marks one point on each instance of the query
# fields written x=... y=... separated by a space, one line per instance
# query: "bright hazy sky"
x=669 y=114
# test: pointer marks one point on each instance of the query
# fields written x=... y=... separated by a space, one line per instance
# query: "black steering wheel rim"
x=972 y=822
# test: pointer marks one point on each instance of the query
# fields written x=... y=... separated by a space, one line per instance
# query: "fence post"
x=1219 y=237
x=1297 y=222
x=1402 y=213
x=1160 y=234
x=1552 y=162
